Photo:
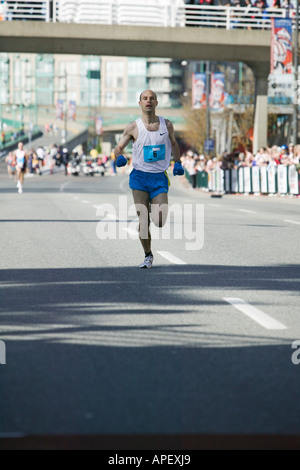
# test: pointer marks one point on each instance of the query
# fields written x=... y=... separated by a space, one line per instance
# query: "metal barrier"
x=34 y=10
x=272 y=180
x=168 y=13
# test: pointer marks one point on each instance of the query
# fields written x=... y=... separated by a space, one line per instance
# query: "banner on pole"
x=217 y=94
x=281 y=46
x=72 y=110
x=199 y=90
x=60 y=109
x=99 y=125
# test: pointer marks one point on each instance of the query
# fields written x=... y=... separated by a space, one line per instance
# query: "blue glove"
x=121 y=161
x=178 y=169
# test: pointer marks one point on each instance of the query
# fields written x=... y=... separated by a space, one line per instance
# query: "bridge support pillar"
x=260 y=131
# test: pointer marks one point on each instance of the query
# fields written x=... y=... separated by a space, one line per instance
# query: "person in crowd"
x=30 y=161
x=59 y=156
x=35 y=163
x=262 y=7
x=40 y=151
x=288 y=6
x=190 y=166
x=154 y=144
x=53 y=155
x=261 y=158
x=65 y=159
x=275 y=4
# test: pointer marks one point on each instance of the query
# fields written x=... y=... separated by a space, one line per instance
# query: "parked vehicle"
x=88 y=168
x=75 y=165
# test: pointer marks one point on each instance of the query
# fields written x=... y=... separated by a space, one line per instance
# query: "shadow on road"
x=101 y=358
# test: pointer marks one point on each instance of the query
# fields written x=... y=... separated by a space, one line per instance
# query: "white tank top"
x=20 y=157
x=151 y=152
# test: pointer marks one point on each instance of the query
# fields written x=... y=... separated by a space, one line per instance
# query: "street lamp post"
x=295 y=114
x=207 y=102
x=65 y=107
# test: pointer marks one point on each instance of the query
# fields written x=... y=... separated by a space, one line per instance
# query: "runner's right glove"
x=178 y=169
x=121 y=161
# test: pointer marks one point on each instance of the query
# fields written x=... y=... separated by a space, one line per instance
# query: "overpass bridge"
x=189 y=43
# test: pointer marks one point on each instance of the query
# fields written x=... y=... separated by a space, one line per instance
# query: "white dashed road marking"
x=255 y=314
x=248 y=212
x=170 y=257
x=292 y=222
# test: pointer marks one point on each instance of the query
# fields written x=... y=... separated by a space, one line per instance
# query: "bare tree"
x=195 y=129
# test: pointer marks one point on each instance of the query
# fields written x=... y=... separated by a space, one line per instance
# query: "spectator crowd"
x=261 y=4
x=36 y=161
x=265 y=157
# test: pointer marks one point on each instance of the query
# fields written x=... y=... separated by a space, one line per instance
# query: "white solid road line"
x=292 y=221
x=170 y=257
x=255 y=314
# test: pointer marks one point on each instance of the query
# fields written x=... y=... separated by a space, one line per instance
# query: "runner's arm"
x=125 y=139
x=174 y=144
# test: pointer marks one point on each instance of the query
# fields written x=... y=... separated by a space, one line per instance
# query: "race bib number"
x=154 y=153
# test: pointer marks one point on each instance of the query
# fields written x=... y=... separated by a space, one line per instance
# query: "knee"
x=159 y=216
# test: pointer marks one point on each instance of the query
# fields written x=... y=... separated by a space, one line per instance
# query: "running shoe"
x=147 y=263
x=20 y=190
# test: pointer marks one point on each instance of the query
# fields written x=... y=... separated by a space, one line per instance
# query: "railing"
x=164 y=13
x=232 y=17
x=22 y=10
x=272 y=180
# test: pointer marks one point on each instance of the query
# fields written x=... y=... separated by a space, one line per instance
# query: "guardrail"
x=166 y=13
x=272 y=180
x=233 y=17
x=22 y=10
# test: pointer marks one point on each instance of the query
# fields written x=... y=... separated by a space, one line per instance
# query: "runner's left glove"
x=121 y=161
x=178 y=169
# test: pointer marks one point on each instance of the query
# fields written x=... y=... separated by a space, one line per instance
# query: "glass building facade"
x=90 y=81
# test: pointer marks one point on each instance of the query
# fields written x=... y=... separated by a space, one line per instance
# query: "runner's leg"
x=141 y=201
x=159 y=209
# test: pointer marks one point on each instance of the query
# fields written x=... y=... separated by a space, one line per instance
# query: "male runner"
x=21 y=161
x=153 y=145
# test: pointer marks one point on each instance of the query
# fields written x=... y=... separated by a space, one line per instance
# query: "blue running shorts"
x=152 y=183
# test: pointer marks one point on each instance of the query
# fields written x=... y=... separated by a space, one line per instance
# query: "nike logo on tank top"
x=151 y=152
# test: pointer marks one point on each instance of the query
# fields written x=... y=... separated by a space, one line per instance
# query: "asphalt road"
x=200 y=345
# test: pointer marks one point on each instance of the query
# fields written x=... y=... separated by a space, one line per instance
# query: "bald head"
x=147 y=92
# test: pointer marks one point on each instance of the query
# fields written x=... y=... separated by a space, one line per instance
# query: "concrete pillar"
x=260 y=131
